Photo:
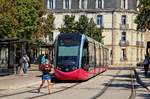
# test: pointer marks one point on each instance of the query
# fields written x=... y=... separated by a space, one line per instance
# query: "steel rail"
x=133 y=90
x=33 y=90
x=103 y=90
x=139 y=81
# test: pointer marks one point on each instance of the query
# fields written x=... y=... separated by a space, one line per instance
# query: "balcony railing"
x=124 y=26
x=123 y=43
x=123 y=59
x=100 y=25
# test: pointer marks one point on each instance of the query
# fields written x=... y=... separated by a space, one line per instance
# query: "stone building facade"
x=115 y=16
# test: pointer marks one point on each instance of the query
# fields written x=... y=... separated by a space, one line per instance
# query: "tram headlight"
x=74 y=68
x=58 y=68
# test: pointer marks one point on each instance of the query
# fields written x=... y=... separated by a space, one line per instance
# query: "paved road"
x=119 y=88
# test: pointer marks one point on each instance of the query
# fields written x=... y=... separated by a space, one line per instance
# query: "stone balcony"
x=124 y=26
x=123 y=59
x=123 y=43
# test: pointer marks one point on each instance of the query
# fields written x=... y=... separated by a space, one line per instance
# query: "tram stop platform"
x=15 y=81
x=9 y=82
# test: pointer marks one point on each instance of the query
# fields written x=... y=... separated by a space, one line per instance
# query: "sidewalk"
x=19 y=81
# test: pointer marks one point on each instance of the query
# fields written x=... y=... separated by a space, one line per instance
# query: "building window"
x=123 y=36
x=83 y=4
x=124 y=4
x=123 y=54
x=50 y=4
x=99 y=20
x=123 y=19
x=99 y=4
x=67 y=4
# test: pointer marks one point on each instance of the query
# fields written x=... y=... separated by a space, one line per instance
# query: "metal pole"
x=14 y=57
x=112 y=60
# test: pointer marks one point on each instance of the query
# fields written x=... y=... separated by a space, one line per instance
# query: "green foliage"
x=94 y=31
x=46 y=27
x=49 y=26
x=20 y=18
x=143 y=18
x=7 y=19
x=83 y=25
x=27 y=18
x=69 y=24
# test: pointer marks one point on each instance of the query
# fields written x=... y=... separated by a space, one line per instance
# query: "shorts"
x=46 y=77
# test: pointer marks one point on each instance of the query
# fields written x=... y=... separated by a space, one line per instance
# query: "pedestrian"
x=18 y=67
x=146 y=64
x=46 y=69
x=42 y=59
x=24 y=61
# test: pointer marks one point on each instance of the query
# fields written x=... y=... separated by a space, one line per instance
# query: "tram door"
x=92 y=61
x=85 y=57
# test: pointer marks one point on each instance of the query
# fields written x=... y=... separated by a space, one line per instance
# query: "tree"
x=28 y=16
x=83 y=25
x=93 y=31
x=7 y=19
x=69 y=24
x=20 y=18
x=46 y=27
x=143 y=18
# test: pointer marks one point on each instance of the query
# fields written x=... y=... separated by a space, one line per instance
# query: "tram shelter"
x=48 y=50
x=11 y=50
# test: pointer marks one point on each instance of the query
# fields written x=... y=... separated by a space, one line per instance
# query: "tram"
x=78 y=57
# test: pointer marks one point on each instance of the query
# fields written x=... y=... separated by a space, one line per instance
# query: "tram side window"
x=91 y=55
x=97 y=56
x=85 y=54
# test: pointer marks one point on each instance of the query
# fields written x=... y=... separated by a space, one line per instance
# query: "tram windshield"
x=68 y=51
x=67 y=54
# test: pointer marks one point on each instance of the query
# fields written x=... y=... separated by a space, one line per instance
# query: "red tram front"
x=78 y=57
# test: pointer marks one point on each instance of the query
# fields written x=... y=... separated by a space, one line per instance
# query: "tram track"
x=139 y=81
x=131 y=86
x=17 y=93
x=133 y=90
x=61 y=90
x=41 y=95
x=58 y=91
x=103 y=90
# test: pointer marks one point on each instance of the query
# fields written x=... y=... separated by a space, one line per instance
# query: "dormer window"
x=99 y=3
x=67 y=4
x=124 y=4
x=50 y=4
x=83 y=4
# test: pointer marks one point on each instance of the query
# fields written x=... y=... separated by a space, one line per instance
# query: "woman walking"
x=24 y=61
x=45 y=68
